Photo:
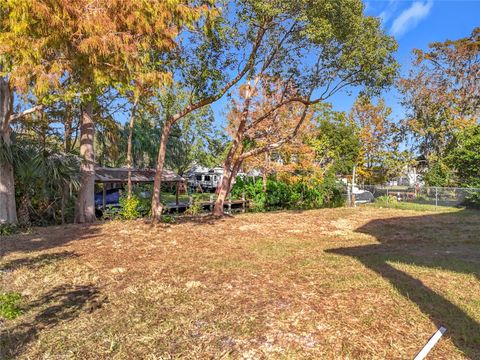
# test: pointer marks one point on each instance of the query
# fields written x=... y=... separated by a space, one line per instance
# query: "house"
x=412 y=175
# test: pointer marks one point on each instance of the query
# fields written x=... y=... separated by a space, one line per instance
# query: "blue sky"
x=414 y=24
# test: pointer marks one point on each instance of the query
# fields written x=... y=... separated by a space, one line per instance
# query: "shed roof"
x=120 y=175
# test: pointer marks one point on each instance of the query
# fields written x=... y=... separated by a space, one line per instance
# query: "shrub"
x=8 y=229
x=168 y=219
x=111 y=213
x=129 y=208
x=9 y=308
x=144 y=207
x=282 y=195
x=472 y=200
x=195 y=207
x=385 y=200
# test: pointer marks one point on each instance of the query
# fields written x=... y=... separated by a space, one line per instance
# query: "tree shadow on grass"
x=196 y=220
x=447 y=241
x=34 y=263
x=60 y=304
x=47 y=238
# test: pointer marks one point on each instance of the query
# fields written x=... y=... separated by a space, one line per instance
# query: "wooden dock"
x=229 y=205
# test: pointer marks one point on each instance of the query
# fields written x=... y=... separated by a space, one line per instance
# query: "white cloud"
x=410 y=17
x=387 y=13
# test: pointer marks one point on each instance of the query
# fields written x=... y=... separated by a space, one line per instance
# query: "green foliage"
x=111 y=213
x=168 y=219
x=336 y=143
x=44 y=176
x=9 y=308
x=464 y=156
x=472 y=200
x=129 y=207
x=193 y=139
x=283 y=195
x=386 y=200
x=393 y=203
x=438 y=174
x=8 y=229
x=195 y=208
x=144 y=207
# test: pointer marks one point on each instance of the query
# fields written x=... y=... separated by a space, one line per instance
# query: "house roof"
x=120 y=175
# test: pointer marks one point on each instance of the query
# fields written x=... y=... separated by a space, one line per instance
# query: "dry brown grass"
x=327 y=284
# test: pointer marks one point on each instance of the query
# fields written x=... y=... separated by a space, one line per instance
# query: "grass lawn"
x=405 y=205
x=364 y=283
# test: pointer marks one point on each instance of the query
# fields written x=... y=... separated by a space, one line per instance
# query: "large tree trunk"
x=8 y=211
x=231 y=166
x=230 y=169
x=86 y=198
x=222 y=192
x=157 y=206
x=230 y=172
x=129 y=151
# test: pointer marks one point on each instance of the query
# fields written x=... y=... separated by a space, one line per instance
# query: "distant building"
x=411 y=176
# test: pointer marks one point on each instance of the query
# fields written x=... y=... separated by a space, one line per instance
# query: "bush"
x=472 y=200
x=129 y=208
x=8 y=229
x=144 y=207
x=438 y=174
x=168 y=219
x=9 y=308
x=111 y=213
x=385 y=200
x=195 y=207
x=309 y=194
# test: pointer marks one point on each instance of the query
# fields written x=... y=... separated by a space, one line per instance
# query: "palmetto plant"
x=43 y=175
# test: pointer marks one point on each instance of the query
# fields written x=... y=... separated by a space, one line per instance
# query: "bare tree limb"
x=17 y=116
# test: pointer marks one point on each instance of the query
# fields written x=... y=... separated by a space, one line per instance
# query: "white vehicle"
x=207 y=180
x=362 y=196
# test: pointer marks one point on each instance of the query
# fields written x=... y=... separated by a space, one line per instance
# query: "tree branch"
x=17 y=116
x=208 y=100
x=279 y=143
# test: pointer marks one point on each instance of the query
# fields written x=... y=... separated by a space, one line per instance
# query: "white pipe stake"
x=430 y=344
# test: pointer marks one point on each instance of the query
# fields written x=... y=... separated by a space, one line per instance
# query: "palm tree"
x=43 y=173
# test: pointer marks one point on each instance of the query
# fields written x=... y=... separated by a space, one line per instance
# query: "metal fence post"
x=436 y=198
x=387 y=197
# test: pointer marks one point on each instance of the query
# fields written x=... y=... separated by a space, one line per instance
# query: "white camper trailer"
x=204 y=179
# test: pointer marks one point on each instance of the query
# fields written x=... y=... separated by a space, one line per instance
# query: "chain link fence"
x=428 y=196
